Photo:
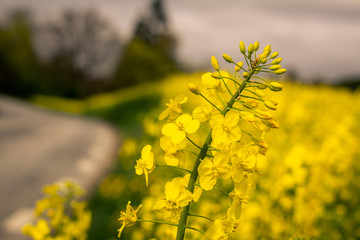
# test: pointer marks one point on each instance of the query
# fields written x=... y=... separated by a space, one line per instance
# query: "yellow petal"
x=164 y=114
x=183 y=119
x=209 y=81
x=172 y=191
x=231 y=119
x=169 y=129
x=216 y=119
x=218 y=134
x=177 y=137
x=146 y=152
x=139 y=171
x=192 y=126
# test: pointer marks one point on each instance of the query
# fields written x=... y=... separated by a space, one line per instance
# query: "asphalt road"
x=39 y=147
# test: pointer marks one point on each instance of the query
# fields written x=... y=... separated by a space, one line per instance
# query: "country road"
x=38 y=147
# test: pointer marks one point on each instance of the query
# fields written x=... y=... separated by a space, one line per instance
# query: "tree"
x=83 y=38
x=150 y=54
x=18 y=62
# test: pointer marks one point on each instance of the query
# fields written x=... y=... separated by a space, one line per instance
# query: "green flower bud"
x=194 y=89
x=242 y=47
x=276 y=61
x=274 y=55
x=245 y=74
x=275 y=67
x=256 y=45
x=263 y=61
x=280 y=71
x=250 y=49
x=227 y=58
x=216 y=75
x=215 y=63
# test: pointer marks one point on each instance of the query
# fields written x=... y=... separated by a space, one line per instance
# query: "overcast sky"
x=318 y=38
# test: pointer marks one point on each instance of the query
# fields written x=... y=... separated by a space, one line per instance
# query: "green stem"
x=170 y=166
x=193 y=143
x=210 y=102
x=195 y=229
x=199 y=216
x=222 y=79
x=194 y=174
x=155 y=221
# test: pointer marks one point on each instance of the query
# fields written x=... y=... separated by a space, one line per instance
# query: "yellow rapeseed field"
x=309 y=186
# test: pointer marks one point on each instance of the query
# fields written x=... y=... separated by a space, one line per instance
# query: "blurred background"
x=93 y=58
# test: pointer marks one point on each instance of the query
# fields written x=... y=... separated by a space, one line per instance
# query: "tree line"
x=81 y=54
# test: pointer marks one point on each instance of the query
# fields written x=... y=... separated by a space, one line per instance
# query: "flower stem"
x=195 y=229
x=170 y=166
x=155 y=221
x=199 y=216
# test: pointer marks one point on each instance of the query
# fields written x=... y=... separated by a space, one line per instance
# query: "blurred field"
x=310 y=183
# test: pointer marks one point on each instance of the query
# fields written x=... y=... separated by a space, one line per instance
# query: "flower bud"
x=242 y=47
x=216 y=75
x=276 y=61
x=267 y=48
x=238 y=66
x=250 y=49
x=270 y=105
x=261 y=86
x=260 y=142
x=274 y=55
x=263 y=61
x=259 y=93
x=275 y=86
x=194 y=89
x=227 y=58
x=275 y=67
x=265 y=54
x=215 y=63
x=256 y=45
x=274 y=102
x=270 y=123
x=264 y=114
x=280 y=71
x=245 y=74
x=251 y=103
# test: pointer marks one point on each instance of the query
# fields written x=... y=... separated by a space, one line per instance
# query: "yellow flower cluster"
x=310 y=188
x=215 y=136
x=59 y=215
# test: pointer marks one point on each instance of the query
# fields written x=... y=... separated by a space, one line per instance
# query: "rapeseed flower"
x=145 y=164
x=213 y=83
x=173 y=156
x=129 y=217
x=212 y=169
x=177 y=131
x=173 y=109
x=225 y=128
x=176 y=197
